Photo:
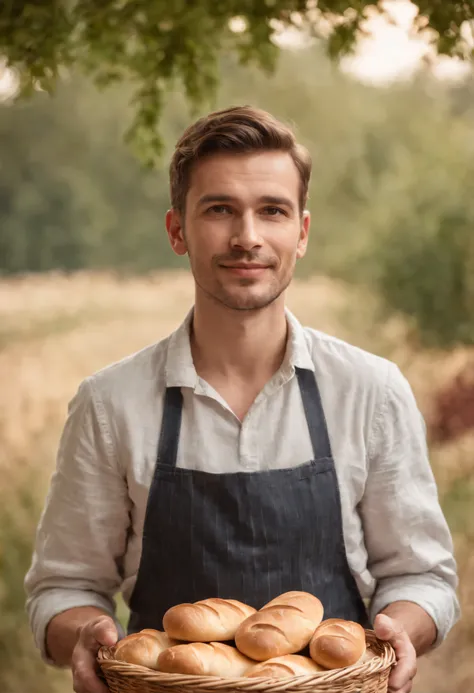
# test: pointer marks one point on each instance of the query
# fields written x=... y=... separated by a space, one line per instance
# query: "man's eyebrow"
x=205 y=199
x=277 y=200
x=267 y=199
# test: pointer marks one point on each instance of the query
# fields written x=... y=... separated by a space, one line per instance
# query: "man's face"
x=243 y=229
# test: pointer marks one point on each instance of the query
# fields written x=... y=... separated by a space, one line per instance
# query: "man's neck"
x=239 y=344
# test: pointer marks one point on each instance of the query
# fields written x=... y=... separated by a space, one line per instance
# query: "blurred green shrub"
x=21 y=669
x=419 y=250
x=427 y=274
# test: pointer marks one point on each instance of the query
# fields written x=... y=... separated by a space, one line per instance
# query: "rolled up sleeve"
x=81 y=537
x=409 y=545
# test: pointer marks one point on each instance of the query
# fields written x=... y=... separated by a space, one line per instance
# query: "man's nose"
x=245 y=233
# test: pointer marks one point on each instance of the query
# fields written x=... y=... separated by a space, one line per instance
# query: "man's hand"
x=92 y=635
x=403 y=673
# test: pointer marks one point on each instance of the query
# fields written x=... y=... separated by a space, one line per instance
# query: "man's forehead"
x=270 y=171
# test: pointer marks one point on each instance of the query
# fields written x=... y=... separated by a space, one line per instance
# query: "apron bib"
x=249 y=535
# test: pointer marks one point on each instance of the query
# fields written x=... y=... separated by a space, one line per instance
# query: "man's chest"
x=273 y=434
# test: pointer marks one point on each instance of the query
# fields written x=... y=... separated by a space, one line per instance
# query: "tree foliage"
x=155 y=44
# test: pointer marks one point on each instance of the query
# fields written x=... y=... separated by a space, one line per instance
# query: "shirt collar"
x=298 y=354
x=180 y=370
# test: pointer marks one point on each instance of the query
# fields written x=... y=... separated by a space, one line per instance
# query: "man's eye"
x=274 y=211
x=219 y=209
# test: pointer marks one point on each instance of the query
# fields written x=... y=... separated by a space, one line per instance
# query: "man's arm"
x=411 y=632
x=416 y=623
x=82 y=532
x=409 y=546
x=62 y=633
x=74 y=638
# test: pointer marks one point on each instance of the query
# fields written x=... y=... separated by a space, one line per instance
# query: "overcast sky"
x=391 y=52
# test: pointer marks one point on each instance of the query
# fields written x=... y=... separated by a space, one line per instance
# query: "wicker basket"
x=370 y=677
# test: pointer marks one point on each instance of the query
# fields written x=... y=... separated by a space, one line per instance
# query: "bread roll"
x=164 y=639
x=283 y=626
x=151 y=631
x=337 y=643
x=204 y=659
x=207 y=620
x=143 y=648
x=281 y=667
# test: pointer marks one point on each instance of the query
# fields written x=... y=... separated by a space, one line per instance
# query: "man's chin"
x=247 y=303
x=244 y=298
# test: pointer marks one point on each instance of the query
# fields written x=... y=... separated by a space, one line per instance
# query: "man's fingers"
x=388 y=629
x=87 y=682
x=404 y=671
x=84 y=672
x=405 y=689
x=402 y=674
x=105 y=632
x=102 y=631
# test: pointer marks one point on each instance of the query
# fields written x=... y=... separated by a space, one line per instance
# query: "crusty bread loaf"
x=143 y=648
x=164 y=639
x=207 y=620
x=204 y=659
x=288 y=665
x=337 y=643
x=283 y=626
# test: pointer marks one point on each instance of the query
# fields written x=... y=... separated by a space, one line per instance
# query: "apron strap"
x=314 y=412
x=170 y=427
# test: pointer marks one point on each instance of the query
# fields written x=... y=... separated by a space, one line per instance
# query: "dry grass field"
x=55 y=330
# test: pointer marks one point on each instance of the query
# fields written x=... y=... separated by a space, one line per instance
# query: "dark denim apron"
x=247 y=535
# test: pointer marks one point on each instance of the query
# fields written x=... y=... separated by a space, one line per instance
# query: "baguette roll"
x=209 y=620
x=286 y=666
x=204 y=659
x=337 y=643
x=283 y=626
x=143 y=648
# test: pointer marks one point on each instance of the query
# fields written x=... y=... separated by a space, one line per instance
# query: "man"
x=245 y=455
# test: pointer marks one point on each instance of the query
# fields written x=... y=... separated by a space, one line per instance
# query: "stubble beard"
x=218 y=293
x=245 y=303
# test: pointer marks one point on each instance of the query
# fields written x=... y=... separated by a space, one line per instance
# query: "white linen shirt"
x=397 y=541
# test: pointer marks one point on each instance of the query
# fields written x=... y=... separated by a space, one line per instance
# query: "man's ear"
x=175 y=229
x=304 y=233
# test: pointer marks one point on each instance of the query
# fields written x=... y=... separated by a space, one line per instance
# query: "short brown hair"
x=239 y=130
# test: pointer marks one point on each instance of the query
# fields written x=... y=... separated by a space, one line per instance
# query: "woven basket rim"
x=383 y=660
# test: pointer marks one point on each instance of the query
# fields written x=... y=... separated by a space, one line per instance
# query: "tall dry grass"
x=56 y=330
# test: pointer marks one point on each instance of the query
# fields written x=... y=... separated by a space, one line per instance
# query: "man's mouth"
x=245 y=266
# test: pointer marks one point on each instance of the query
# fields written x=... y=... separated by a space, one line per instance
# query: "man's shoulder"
x=134 y=371
x=332 y=355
